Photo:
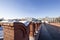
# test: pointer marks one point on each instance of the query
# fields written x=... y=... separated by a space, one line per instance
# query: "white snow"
x=4 y=21
x=31 y=38
x=25 y=22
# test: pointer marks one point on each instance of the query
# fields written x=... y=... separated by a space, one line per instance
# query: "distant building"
x=29 y=19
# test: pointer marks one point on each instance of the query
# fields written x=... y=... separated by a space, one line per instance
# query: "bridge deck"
x=49 y=32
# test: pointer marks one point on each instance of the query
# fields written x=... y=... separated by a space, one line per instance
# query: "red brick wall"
x=15 y=31
x=8 y=32
x=20 y=32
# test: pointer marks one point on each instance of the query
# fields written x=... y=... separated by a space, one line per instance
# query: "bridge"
x=24 y=30
x=21 y=30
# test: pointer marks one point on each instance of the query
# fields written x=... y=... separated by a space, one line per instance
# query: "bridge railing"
x=20 y=30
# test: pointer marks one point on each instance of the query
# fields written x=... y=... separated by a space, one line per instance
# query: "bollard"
x=20 y=29
x=8 y=31
x=38 y=25
x=31 y=33
x=36 y=28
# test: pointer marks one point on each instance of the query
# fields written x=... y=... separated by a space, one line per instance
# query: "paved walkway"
x=49 y=32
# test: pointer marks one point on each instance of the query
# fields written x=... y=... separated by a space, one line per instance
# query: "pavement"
x=1 y=39
x=49 y=32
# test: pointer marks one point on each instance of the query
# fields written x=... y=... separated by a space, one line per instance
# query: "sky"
x=29 y=8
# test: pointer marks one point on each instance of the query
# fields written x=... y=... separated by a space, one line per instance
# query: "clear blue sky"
x=29 y=8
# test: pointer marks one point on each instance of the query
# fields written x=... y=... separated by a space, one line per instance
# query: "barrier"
x=8 y=31
x=14 y=31
x=31 y=31
x=21 y=30
x=34 y=26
